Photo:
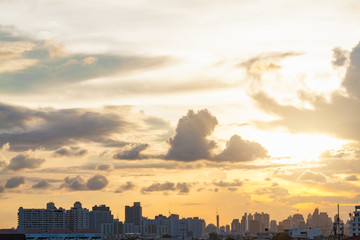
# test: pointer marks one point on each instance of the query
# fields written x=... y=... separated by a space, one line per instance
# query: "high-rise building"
x=42 y=219
x=133 y=214
x=320 y=220
x=77 y=217
x=298 y=221
x=355 y=222
x=273 y=226
x=99 y=214
x=235 y=226
x=254 y=227
x=244 y=224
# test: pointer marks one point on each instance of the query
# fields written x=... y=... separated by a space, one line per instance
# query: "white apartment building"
x=355 y=222
x=42 y=219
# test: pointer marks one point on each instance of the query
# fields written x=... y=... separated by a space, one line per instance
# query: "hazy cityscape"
x=179 y=119
x=99 y=223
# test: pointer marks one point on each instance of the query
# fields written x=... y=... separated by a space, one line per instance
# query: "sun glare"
x=299 y=147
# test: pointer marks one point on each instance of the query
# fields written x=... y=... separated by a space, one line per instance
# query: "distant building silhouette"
x=77 y=217
x=133 y=214
x=98 y=215
x=235 y=226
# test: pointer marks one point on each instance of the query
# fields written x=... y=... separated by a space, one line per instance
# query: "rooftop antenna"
x=170 y=210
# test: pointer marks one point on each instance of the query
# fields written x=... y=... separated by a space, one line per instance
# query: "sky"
x=189 y=107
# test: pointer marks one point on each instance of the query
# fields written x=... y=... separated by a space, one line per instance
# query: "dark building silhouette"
x=98 y=215
x=133 y=214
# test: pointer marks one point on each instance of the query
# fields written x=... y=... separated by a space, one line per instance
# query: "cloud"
x=14 y=182
x=336 y=117
x=232 y=189
x=49 y=128
x=352 y=178
x=265 y=62
x=182 y=188
x=2 y=189
x=235 y=183
x=131 y=152
x=344 y=160
x=97 y=182
x=77 y=183
x=43 y=184
x=273 y=192
x=70 y=152
x=125 y=187
x=351 y=80
x=240 y=150
x=190 y=142
x=74 y=183
x=309 y=176
x=9 y=33
x=340 y=56
x=55 y=67
x=322 y=199
x=105 y=167
x=2 y=162
x=23 y=161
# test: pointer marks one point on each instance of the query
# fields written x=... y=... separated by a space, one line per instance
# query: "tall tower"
x=217 y=221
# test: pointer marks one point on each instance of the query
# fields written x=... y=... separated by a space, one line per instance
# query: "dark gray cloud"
x=23 y=161
x=235 y=183
x=337 y=117
x=182 y=188
x=70 y=152
x=43 y=184
x=14 y=182
x=97 y=182
x=351 y=80
x=132 y=152
x=240 y=150
x=352 y=178
x=105 y=167
x=2 y=189
x=77 y=183
x=190 y=142
x=15 y=117
x=125 y=187
x=53 y=128
x=340 y=56
x=232 y=189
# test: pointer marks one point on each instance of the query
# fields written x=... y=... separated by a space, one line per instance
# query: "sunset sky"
x=185 y=106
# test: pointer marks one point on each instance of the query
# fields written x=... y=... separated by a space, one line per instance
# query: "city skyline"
x=135 y=216
x=187 y=106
